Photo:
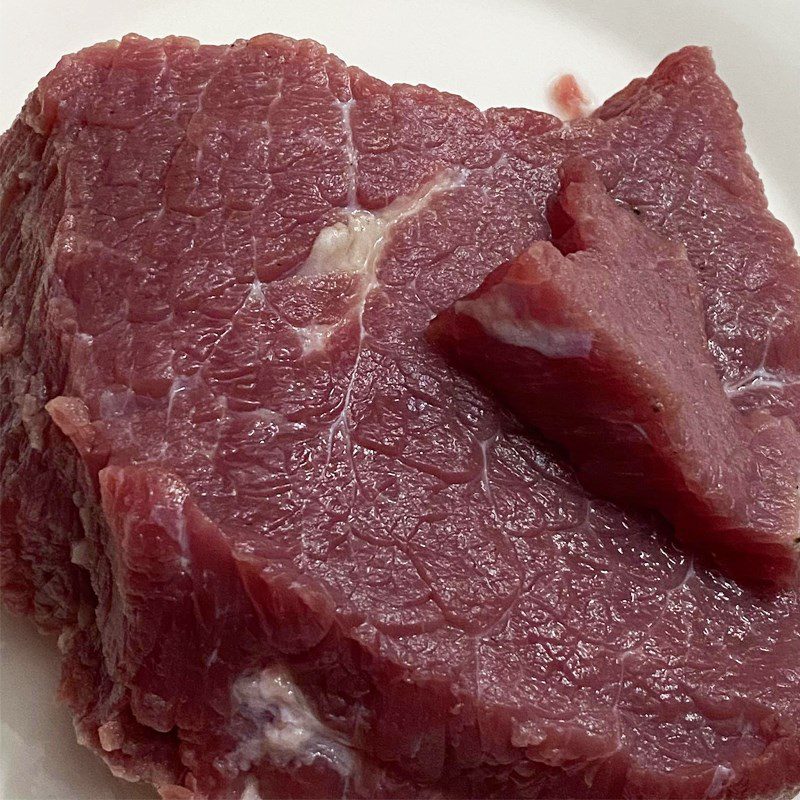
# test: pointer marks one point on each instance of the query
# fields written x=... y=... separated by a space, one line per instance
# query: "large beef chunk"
x=597 y=338
x=283 y=542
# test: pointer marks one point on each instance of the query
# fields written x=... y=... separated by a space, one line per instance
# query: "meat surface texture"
x=597 y=338
x=287 y=548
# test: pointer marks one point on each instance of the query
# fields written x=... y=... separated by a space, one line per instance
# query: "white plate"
x=494 y=52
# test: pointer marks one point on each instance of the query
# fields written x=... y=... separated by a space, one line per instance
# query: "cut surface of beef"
x=597 y=338
x=283 y=542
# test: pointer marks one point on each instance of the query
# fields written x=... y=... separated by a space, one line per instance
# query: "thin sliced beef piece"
x=597 y=338
x=285 y=543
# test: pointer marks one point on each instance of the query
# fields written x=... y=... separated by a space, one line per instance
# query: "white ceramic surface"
x=494 y=52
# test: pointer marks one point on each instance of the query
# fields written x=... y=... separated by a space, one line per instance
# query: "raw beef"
x=597 y=339
x=567 y=97
x=286 y=547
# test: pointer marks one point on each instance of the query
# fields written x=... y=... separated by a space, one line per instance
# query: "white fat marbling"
x=496 y=314
x=346 y=246
x=760 y=378
x=352 y=154
x=251 y=791
x=286 y=728
x=314 y=337
x=355 y=243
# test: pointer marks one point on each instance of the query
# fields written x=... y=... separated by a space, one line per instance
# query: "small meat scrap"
x=568 y=97
x=597 y=339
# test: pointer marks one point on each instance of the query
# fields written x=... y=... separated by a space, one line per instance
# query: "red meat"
x=283 y=542
x=598 y=340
